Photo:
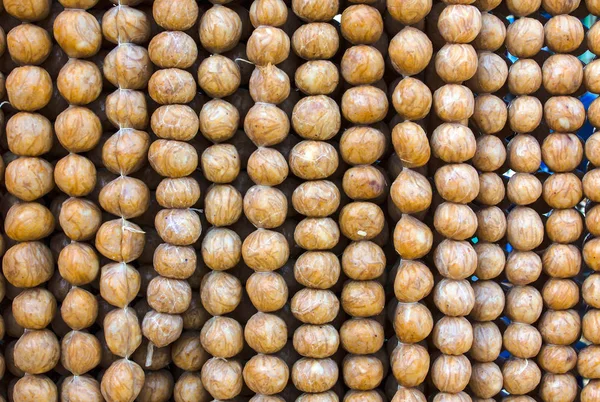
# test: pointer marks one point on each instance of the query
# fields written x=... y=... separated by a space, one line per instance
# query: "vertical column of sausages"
x=562 y=152
x=265 y=250
x=489 y=117
x=79 y=83
x=316 y=118
x=28 y=263
x=457 y=183
x=169 y=294
x=128 y=68
x=591 y=248
x=124 y=153
x=220 y=30
x=361 y=221
x=410 y=51
x=174 y=261
x=525 y=231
